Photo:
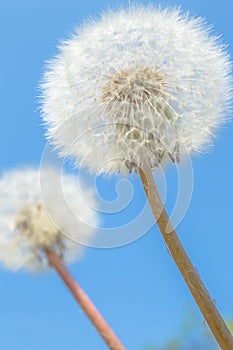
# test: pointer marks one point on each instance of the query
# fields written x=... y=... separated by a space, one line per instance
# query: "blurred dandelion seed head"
x=28 y=229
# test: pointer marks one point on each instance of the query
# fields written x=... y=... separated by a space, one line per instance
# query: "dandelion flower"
x=141 y=85
x=27 y=229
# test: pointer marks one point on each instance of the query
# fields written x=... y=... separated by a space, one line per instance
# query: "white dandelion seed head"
x=26 y=227
x=139 y=85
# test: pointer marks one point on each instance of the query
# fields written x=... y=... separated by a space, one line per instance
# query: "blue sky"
x=137 y=287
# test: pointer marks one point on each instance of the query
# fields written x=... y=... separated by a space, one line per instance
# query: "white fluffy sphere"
x=139 y=85
x=28 y=226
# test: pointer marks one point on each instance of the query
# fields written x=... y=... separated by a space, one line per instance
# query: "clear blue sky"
x=137 y=287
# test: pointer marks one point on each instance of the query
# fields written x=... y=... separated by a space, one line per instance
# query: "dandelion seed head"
x=27 y=229
x=139 y=85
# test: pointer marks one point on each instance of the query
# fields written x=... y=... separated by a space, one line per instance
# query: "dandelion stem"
x=189 y=273
x=90 y=310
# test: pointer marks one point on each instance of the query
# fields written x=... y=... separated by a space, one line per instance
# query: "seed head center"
x=139 y=105
x=33 y=222
x=136 y=85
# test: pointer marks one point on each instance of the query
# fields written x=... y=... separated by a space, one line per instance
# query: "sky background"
x=137 y=287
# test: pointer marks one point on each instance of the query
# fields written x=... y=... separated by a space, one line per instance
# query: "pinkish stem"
x=90 y=310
